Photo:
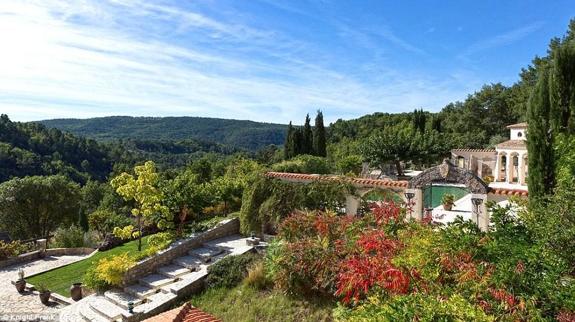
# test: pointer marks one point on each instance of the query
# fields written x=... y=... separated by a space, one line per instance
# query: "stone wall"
x=69 y=251
x=22 y=258
x=180 y=248
x=37 y=254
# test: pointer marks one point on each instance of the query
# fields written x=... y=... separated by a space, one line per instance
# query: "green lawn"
x=244 y=303
x=60 y=279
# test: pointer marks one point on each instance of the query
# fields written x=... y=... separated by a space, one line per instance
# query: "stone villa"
x=506 y=164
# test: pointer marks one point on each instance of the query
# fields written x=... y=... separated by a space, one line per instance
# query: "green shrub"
x=68 y=237
x=304 y=164
x=104 y=221
x=112 y=270
x=11 y=249
x=93 y=280
x=414 y=307
x=230 y=271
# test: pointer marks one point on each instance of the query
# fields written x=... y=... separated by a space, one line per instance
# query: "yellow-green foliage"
x=112 y=270
x=126 y=232
x=420 y=242
x=413 y=307
x=143 y=189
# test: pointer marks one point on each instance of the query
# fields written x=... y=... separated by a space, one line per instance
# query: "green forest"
x=247 y=135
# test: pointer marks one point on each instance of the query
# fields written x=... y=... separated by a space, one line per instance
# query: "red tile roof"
x=509 y=192
x=517 y=126
x=184 y=313
x=364 y=182
x=513 y=144
x=473 y=150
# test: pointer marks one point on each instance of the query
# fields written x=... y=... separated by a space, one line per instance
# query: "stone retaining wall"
x=37 y=254
x=180 y=248
x=22 y=258
x=69 y=251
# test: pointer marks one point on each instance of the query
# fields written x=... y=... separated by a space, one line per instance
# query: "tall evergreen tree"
x=298 y=140
x=319 y=144
x=307 y=136
x=289 y=143
x=419 y=120
x=563 y=89
x=540 y=139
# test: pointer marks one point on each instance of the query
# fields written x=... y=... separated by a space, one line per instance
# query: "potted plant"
x=76 y=291
x=21 y=282
x=44 y=293
x=447 y=200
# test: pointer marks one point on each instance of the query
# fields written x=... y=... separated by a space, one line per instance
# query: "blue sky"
x=263 y=60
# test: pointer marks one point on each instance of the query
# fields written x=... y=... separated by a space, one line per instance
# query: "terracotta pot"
x=447 y=206
x=76 y=291
x=20 y=285
x=45 y=297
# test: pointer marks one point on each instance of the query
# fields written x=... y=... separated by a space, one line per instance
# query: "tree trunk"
x=398 y=167
x=139 y=233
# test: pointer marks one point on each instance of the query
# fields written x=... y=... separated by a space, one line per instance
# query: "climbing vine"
x=267 y=201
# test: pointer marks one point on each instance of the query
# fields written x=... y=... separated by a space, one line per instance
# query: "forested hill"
x=236 y=133
x=32 y=149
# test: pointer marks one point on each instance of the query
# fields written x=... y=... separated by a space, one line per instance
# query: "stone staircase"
x=156 y=292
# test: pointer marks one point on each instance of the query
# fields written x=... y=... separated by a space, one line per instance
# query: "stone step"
x=122 y=298
x=107 y=309
x=190 y=262
x=187 y=283
x=205 y=253
x=140 y=291
x=155 y=281
x=90 y=315
x=173 y=271
x=156 y=301
x=72 y=313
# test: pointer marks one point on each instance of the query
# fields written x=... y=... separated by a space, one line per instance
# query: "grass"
x=244 y=303
x=59 y=280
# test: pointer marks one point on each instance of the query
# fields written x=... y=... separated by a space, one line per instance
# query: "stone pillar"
x=42 y=244
x=509 y=168
x=520 y=169
x=416 y=204
x=351 y=205
x=479 y=214
x=497 y=173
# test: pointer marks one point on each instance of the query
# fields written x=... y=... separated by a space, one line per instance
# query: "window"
x=519 y=134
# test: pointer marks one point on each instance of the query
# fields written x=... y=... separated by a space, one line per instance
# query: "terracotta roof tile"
x=509 y=192
x=517 y=126
x=354 y=181
x=473 y=150
x=184 y=313
x=513 y=144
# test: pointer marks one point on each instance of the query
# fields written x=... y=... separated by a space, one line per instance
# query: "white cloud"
x=503 y=39
x=96 y=58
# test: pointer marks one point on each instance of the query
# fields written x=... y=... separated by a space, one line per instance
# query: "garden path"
x=27 y=306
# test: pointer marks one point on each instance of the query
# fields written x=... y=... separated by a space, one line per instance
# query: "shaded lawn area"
x=244 y=303
x=60 y=279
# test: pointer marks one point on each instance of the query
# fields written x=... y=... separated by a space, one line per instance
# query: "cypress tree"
x=307 y=137
x=298 y=141
x=319 y=144
x=540 y=139
x=563 y=89
x=289 y=143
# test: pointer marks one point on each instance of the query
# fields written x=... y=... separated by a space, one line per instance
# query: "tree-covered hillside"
x=32 y=149
x=237 y=133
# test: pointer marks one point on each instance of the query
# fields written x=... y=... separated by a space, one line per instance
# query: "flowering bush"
x=382 y=267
